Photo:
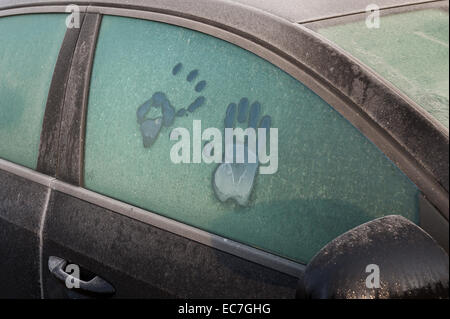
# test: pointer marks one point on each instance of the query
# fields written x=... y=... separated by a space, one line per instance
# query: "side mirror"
x=389 y=257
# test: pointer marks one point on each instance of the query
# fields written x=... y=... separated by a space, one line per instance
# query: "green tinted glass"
x=409 y=49
x=29 y=47
x=150 y=78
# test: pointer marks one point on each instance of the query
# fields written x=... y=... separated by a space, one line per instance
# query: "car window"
x=156 y=89
x=29 y=47
x=408 y=49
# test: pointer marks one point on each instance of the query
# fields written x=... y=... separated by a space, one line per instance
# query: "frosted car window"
x=29 y=47
x=409 y=49
x=150 y=81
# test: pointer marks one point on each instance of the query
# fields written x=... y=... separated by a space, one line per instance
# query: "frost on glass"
x=330 y=178
x=29 y=47
x=410 y=50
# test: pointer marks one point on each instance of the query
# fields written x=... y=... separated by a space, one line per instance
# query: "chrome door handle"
x=96 y=285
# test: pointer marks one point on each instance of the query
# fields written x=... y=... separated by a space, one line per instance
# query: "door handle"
x=96 y=285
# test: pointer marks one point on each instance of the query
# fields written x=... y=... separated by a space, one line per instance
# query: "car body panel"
x=164 y=264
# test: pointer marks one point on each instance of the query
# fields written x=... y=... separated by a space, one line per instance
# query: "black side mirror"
x=389 y=257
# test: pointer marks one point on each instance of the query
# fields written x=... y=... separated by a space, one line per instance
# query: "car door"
x=128 y=209
x=28 y=54
x=142 y=254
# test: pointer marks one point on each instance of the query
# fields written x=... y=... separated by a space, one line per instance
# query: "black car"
x=113 y=178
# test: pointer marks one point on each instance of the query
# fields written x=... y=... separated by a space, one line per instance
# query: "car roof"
x=302 y=11
x=299 y=11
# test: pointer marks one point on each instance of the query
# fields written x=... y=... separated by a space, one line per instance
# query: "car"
x=114 y=115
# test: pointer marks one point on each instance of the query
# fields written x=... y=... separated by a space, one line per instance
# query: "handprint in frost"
x=234 y=179
x=150 y=127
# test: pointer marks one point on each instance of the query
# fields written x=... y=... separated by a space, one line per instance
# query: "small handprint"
x=150 y=127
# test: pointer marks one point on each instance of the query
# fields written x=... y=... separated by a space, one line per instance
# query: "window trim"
x=73 y=118
x=51 y=125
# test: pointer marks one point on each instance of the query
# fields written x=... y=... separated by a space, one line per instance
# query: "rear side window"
x=29 y=47
x=153 y=85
